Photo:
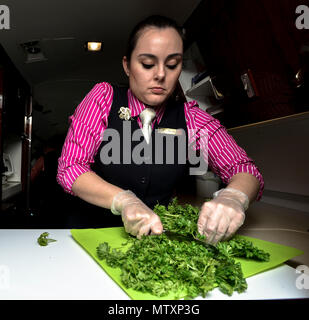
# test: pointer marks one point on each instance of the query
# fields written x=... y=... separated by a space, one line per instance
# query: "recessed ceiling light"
x=94 y=46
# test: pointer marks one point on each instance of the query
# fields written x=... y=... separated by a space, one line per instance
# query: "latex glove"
x=138 y=219
x=221 y=217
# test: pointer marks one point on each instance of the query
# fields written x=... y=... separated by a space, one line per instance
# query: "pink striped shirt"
x=224 y=157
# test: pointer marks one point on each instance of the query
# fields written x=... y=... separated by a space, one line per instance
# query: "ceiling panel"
x=62 y=27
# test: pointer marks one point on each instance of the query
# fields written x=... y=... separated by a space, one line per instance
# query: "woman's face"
x=155 y=65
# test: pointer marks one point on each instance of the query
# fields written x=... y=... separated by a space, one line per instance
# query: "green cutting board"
x=89 y=239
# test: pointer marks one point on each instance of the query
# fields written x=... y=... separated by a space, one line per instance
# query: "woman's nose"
x=160 y=73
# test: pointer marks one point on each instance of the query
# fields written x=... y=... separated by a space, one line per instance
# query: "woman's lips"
x=157 y=90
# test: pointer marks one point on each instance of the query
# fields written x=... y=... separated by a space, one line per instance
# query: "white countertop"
x=63 y=270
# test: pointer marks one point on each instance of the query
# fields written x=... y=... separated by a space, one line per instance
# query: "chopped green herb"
x=181 y=219
x=43 y=240
x=161 y=266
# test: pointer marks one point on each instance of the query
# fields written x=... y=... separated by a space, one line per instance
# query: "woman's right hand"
x=138 y=219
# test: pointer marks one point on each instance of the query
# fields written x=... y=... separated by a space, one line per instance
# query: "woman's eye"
x=147 y=66
x=172 y=66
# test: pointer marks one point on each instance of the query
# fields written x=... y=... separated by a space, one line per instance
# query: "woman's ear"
x=125 y=65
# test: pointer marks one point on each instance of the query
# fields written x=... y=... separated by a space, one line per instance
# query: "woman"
x=153 y=63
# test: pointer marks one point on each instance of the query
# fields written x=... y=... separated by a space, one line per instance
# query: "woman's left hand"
x=221 y=217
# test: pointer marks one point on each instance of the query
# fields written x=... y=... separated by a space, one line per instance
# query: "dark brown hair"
x=157 y=21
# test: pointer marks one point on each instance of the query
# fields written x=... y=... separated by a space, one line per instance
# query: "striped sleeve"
x=224 y=157
x=84 y=136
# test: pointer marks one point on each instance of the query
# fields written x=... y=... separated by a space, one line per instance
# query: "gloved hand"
x=138 y=219
x=221 y=217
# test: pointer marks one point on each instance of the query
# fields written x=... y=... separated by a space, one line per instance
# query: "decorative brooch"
x=125 y=113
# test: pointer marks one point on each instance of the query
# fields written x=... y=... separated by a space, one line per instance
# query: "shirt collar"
x=136 y=107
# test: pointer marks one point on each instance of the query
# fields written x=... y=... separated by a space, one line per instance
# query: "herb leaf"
x=43 y=240
x=161 y=266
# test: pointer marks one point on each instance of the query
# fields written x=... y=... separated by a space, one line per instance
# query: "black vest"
x=151 y=182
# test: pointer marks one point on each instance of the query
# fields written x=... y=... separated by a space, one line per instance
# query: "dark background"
x=233 y=37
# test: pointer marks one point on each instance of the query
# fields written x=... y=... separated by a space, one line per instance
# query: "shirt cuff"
x=252 y=169
x=71 y=174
